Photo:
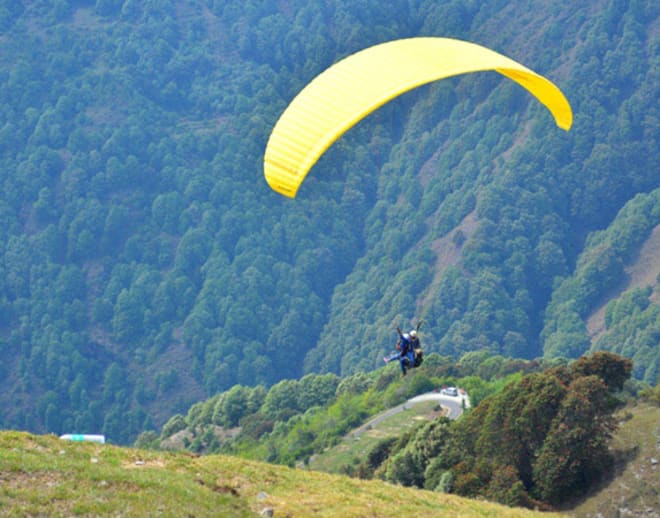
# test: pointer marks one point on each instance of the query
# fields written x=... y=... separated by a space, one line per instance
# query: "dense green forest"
x=145 y=264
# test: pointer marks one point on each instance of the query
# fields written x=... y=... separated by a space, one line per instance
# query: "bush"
x=147 y=440
x=651 y=394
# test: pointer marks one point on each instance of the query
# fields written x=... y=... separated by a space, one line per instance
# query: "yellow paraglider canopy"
x=349 y=90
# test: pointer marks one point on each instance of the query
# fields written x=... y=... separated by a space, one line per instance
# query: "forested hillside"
x=520 y=196
x=538 y=433
x=145 y=264
x=604 y=270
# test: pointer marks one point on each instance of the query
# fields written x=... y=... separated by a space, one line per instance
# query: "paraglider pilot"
x=405 y=353
x=414 y=339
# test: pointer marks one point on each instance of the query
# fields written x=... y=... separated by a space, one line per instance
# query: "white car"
x=449 y=391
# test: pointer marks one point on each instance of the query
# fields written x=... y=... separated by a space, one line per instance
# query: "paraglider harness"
x=418 y=354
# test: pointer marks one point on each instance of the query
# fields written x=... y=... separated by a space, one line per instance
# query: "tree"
x=611 y=368
x=575 y=452
x=148 y=439
x=231 y=406
x=408 y=466
x=175 y=424
x=517 y=421
x=128 y=317
x=282 y=400
x=316 y=390
x=403 y=469
x=355 y=384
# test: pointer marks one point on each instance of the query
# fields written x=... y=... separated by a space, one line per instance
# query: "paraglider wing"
x=352 y=88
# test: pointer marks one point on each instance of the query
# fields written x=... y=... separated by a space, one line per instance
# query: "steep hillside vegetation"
x=621 y=263
x=146 y=265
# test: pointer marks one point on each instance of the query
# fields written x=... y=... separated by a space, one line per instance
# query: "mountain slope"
x=535 y=192
x=640 y=273
x=43 y=475
x=616 y=282
x=145 y=264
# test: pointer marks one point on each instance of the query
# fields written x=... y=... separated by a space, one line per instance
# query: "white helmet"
x=413 y=333
x=406 y=336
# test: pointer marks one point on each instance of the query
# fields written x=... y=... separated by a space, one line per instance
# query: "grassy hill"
x=42 y=475
x=357 y=443
x=633 y=488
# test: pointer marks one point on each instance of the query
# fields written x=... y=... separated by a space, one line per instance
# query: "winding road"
x=453 y=404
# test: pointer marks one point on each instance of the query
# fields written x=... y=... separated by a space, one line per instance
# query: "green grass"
x=44 y=476
x=351 y=448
